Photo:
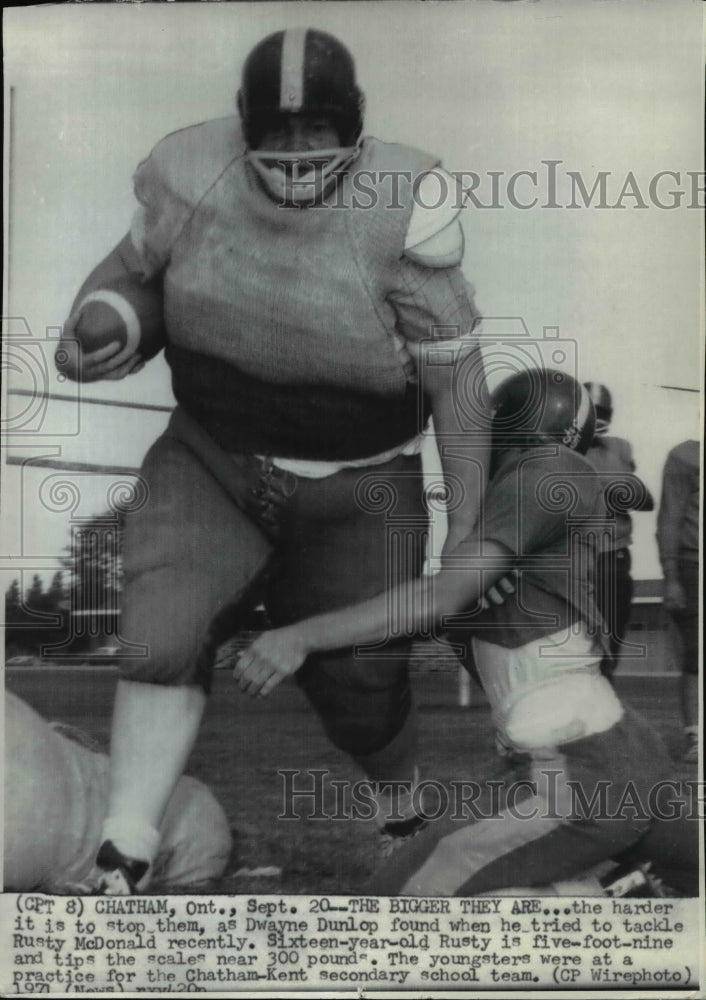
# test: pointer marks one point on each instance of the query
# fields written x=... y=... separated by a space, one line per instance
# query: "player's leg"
x=623 y=602
x=593 y=803
x=153 y=732
x=574 y=808
x=614 y=589
x=605 y=602
x=671 y=845
x=527 y=846
x=187 y=553
x=355 y=535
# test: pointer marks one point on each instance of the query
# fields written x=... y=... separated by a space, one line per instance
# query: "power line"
x=677 y=388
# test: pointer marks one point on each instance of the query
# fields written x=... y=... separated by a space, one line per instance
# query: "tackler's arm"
x=412 y=607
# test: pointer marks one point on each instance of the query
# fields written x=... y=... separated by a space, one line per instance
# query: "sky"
x=492 y=88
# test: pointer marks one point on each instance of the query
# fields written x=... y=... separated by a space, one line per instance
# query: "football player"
x=580 y=764
x=678 y=543
x=299 y=265
x=56 y=795
x=612 y=457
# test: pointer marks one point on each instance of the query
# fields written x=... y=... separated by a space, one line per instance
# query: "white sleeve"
x=434 y=236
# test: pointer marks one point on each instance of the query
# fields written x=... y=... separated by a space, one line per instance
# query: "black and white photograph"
x=352 y=451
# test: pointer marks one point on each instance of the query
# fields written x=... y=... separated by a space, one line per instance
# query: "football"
x=126 y=311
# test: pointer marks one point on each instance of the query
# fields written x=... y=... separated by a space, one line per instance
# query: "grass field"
x=244 y=743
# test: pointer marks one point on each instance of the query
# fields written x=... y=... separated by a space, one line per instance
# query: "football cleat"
x=120 y=875
x=635 y=881
x=397 y=834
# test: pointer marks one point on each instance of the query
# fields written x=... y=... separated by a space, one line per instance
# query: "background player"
x=291 y=314
x=537 y=655
x=678 y=542
x=56 y=794
x=612 y=457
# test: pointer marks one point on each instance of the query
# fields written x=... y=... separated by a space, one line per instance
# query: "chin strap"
x=300 y=178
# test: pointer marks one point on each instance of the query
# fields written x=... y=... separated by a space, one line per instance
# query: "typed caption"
x=177 y=944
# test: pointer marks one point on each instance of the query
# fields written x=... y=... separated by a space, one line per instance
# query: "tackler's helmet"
x=542 y=406
x=304 y=72
x=602 y=404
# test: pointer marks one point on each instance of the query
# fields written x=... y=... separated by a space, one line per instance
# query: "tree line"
x=79 y=608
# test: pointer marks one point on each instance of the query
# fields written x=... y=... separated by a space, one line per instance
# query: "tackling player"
x=299 y=265
x=570 y=741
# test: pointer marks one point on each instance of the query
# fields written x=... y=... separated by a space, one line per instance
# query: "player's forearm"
x=469 y=475
x=438 y=318
x=668 y=546
x=670 y=570
x=116 y=322
x=669 y=522
x=411 y=608
x=464 y=453
x=370 y=621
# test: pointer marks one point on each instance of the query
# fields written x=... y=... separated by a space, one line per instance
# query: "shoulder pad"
x=444 y=249
x=434 y=236
x=188 y=161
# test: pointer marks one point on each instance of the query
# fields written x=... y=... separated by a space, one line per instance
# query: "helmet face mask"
x=538 y=407
x=302 y=177
x=602 y=404
x=291 y=79
x=603 y=418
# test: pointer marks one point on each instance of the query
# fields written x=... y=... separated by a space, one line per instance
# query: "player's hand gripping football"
x=78 y=363
x=273 y=656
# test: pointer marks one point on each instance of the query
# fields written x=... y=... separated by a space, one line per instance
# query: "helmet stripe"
x=291 y=93
x=584 y=408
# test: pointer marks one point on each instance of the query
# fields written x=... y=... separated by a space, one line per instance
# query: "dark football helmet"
x=305 y=72
x=542 y=406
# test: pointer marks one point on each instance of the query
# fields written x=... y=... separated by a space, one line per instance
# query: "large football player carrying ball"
x=299 y=270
